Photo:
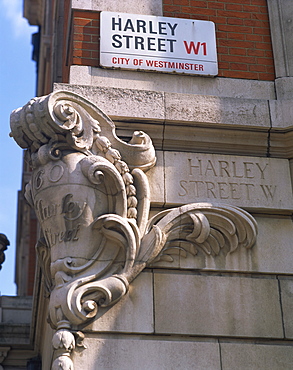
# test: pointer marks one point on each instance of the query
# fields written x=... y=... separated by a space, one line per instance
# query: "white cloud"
x=12 y=10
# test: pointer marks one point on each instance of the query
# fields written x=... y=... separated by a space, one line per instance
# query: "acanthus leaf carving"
x=92 y=199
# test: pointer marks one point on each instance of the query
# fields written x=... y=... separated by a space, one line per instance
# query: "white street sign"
x=145 y=42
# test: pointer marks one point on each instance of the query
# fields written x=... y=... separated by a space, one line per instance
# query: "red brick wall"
x=242 y=32
x=86 y=34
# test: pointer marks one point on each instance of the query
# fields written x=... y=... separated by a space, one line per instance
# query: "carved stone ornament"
x=4 y=242
x=92 y=200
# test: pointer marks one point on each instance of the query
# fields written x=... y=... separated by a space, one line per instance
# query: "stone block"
x=233 y=88
x=272 y=253
x=132 y=314
x=147 y=353
x=286 y=286
x=121 y=104
x=217 y=110
x=80 y=75
x=249 y=182
x=189 y=304
x=284 y=88
x=157 y=181
x=244 y=356
x=281 y=113
x=206 y=139
x=151 y=7
x=16 y=310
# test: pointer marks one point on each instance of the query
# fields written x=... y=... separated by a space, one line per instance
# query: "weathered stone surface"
x=152 y=7
x=286 y=286
x=126 y=103
x=147 y=353
x=15 y=310
x=244 y=356
x=215 y=305
x=132 y=314
x=212 y=109
x=250 y=182
x=233 y=88
x=281 y=113
x=284 y=88
x=157 y=181
x=272 y=252
x=204 y=138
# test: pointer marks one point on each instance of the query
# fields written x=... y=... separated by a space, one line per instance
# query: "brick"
x=235 y=21
x=186 y=9
x=199 y=4
x=181 y=2
x=78 y=29
x=81 y=21
x=266 y=61
x=237 y=36
x=269 y=54
x=237 y=51
x=257 y=68
x=95 y=54
x=261 y=16
x=86 y=14
x=228 y=14
x=95 y=39
x=254 y=23
x=261 y=45
x=91 y=30
x=250 y=37
x=255 y=52
x=239 y=66
x=270 y=69
x=250 y=8
x=82 y=37
x=224 y=65
x=235 y=28
x=267 y=38
x=171 y=8
x=86 y=62
x=229 y=6
x=261 y=31
x=215 y=5
x=223 y=50
x=222 y=35
x=241 y=74
x=234 y=1
x=267 y=76
x=238 y=44
x=81 y=53
x=206 y=12
x=218 y=20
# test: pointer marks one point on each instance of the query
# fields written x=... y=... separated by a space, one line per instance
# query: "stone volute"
x=92 y=199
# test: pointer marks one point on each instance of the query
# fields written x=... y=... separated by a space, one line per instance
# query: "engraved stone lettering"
x=269 y=191
x=45 y=212
x=56 y=173
x=72 y=210
x=53 y=238
x=39 y=179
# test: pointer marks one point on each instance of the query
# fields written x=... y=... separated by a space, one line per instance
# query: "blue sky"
x=17 y=87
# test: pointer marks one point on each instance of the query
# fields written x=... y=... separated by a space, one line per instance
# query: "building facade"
x=220 y=140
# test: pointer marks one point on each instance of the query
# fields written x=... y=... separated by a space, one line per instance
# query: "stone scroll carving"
x=92 y=199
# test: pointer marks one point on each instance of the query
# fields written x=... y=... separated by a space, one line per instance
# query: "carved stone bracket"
x=4 y=242
x=92 y=200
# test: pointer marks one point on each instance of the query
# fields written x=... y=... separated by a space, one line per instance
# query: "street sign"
x=163 y=44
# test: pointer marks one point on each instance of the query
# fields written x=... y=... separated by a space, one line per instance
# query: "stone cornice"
x=254 y=127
